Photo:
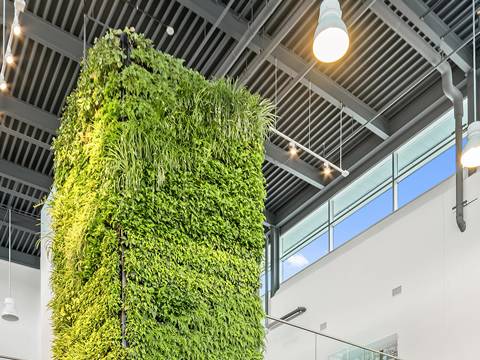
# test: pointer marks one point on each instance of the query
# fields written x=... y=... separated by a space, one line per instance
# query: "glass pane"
x=423 y=179
x=262 y=284
x=305 y=228
x=364 y=185
x=428 y=139
x=361 y=219
x=305 y=256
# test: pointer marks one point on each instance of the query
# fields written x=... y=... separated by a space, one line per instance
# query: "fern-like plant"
x=158 y=176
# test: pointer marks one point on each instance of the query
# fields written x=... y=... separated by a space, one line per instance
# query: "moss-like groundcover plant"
x=158 y=177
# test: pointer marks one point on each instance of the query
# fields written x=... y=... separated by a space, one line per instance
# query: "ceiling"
x=266 y=45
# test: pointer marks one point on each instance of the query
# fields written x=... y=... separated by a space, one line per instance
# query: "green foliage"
x=157 y=161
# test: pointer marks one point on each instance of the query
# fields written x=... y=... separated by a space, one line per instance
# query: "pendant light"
x=19 y=7
x=331 y=40
x=9 y=312
x=471 y=153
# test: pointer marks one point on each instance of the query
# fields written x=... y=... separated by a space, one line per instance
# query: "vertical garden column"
x=158 y=164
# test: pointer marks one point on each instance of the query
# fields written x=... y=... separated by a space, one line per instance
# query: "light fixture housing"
x=170 y=31
x=20 y=5
x=471 y=152
x=331 y=39
x=9 y=312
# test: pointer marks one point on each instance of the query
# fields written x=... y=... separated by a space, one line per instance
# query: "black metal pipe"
x=126 y=48
x=457 y=99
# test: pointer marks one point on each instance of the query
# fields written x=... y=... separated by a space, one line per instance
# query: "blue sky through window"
x=362 y=218
x=426 y=177
x=305 y=256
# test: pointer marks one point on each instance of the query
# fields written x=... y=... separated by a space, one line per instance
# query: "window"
x=420 y=164
x=368 y=214
x=427 y=176
x=431 y=138
x=303 y=257
x=369 y=182
x=262 y=284
x=304 y=229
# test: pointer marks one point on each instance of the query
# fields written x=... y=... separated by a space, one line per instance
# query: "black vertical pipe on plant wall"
x=266 y=279
x=126 y=48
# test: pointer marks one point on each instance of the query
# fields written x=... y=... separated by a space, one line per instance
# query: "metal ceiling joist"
x=46 y=33
x=293 y=65
x=21 y=222
x=18 y=194
x=20 y=258
x=297 y=167
x=28 y=113
x=247 y=37
x=276 y=40
x=437 y=31
x=412 y=119
x=389 y=17
x=25 y=176
x=24 y=137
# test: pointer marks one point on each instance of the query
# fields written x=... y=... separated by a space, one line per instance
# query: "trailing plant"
x=158 y=174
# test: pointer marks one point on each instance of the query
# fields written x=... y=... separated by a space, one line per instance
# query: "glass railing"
x=287 y=340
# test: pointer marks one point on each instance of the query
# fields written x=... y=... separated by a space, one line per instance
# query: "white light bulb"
x=16 y=28
x=471 y=153
x=9 y=56
x=3 y=83
x=331 y=39
x=292 y=150
x=327 y=170
x=170 y=30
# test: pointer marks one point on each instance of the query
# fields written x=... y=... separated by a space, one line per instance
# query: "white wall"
x=21 y=339
x=437 y=315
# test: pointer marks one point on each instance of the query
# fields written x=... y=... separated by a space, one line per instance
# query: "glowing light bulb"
x=471 y=153
x=327 y=170
x=331 y=39
x=3 y=83
x=16 y=28
x=9 y=57
x=292 y=150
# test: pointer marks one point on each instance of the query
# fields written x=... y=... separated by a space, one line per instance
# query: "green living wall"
x=158 y=175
